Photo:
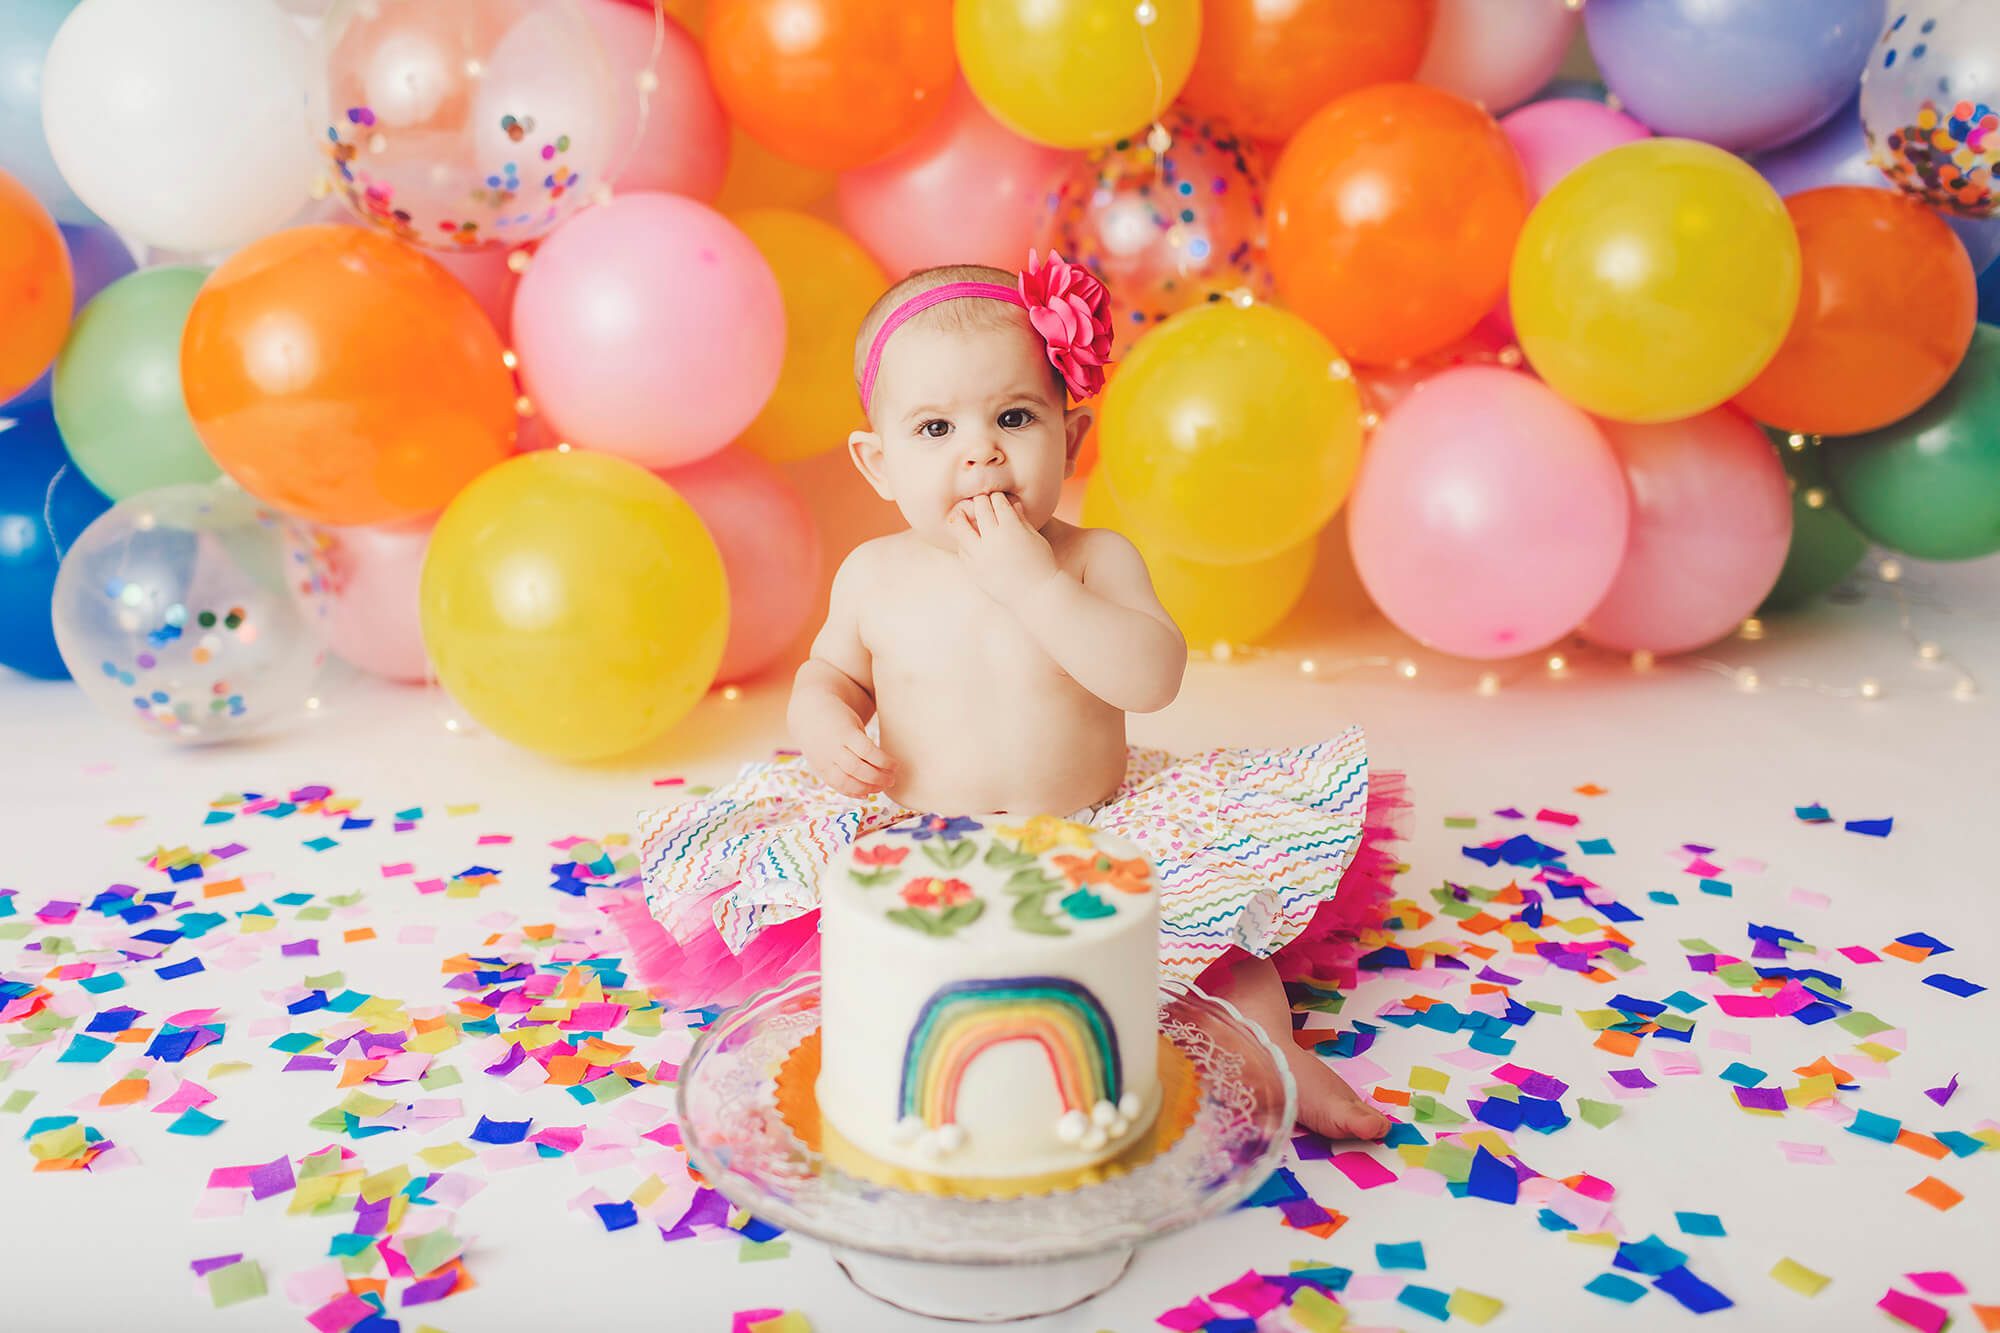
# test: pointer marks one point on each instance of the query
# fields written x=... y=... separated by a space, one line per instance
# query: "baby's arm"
x=1108 y=629
x=833 y=697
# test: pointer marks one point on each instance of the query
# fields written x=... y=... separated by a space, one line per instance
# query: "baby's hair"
x=953 y=315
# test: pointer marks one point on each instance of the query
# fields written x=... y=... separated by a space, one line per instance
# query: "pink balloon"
x=1489 y=516
x=770 y=553
x=1552 y=139
x=373 y=573
x=1497 y=55
x=649 y=327
x=1382 y=387
x=965 y=191
x=485 y=274
x=1711 y=522
x=684 y=148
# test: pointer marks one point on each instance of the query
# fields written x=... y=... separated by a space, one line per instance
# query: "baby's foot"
x=1327 y=1105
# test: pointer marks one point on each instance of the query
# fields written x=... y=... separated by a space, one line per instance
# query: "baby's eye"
x=1014 y=418
x=937 y=428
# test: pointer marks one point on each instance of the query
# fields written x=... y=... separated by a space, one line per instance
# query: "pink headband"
x=1067 y=305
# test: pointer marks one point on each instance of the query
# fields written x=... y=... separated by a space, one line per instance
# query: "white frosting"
x=944 y=931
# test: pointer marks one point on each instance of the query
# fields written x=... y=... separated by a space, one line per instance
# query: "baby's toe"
x=1329 y=1107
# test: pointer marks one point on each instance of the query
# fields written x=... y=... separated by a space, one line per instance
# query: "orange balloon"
x=344 y=377
x=1887 y=301
x=1393 y=217
x=37 y=288
x=832 y=84
x=1266 y=68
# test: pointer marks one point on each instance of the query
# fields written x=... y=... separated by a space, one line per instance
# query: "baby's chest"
x=955 y=637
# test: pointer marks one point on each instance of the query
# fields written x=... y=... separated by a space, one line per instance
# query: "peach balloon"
x=344 y=377
x=491 y=279
x=770 y=553
x=683 y=146
x=372 y=580
x=1266 y=68
x=37 y=288
x=967 y=190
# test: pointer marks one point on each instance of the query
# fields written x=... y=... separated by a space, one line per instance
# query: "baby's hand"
x=843 y=754
x=1007 y=557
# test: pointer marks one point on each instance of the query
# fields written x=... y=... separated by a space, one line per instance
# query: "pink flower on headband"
x=1071 y=310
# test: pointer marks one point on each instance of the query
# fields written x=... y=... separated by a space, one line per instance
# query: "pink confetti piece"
x=1914 y=1311
x=397 y=870
x=1703 y=867
x=1807 y=898
x=1250 y=1293
x=430 y=886
x=1854 y=953
x=1362 y=1170
x=1937 y=1283
x=1189 y=1318
x=1557 y=817
x=416 y=935
x=495 y=839
x=1722 y=1039
x=1805 y=1154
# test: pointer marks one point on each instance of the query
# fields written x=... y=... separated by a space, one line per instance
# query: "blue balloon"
x=1989 y=295
x=45 y=504
x=1745 y=75
x=98 y=258
x=26 y=29
x=1837 y=154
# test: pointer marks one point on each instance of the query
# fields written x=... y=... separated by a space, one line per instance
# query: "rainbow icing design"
x=964 y=1018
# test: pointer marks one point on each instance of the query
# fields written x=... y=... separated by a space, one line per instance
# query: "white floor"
x=1684 y=753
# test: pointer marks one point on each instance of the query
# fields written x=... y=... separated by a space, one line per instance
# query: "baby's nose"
x=978 y=453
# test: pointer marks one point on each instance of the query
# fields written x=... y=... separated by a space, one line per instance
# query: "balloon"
x=1231 y=433
x=1825 y=546
x=37 y=288
x=1383 y=387
x=179 y=124
x=1497 y=55
x=1711 y=521
x=574 y=604
x=1211 y=603
x=489 y=275
x=1394 y=211
x=1554 y=138
x=1929 y=485
x=830 y=84
x=1928 y=105
x=195 y=613
x=759 y=178
x=1887 y=302
x=44 y=507
x=828 y=283
x=464 y=123
x=1837 y=154
x=683 y=144
x=1490 y=515
x=371 y=595
x=966 y=190
x=770 y=548
x=97 y=258
x=1655 y=280
x=1266 y=68
x=341 y=376
x=1076 y=73
x=26 y=29
x=651 y=328
x=1741 y=74
x=1167 y=229
x=118 y=391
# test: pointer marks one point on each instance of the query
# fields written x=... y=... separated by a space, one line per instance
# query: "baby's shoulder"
x=870 y=558
x=1106 y=545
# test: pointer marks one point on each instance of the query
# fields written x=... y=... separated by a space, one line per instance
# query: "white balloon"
x=182 y=124
x=1499 y=53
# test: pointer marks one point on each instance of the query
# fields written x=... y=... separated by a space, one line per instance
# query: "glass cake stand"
x=982 y=1260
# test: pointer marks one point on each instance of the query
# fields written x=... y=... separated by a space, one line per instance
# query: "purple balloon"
x=97 y=258
x=1741 y=74
x=1837 y=154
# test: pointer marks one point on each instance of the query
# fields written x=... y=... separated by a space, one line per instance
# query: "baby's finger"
x=864 y=778
x=960 y=521
x=870 y=756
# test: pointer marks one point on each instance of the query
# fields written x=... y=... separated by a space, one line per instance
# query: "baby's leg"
x=1326 y=1104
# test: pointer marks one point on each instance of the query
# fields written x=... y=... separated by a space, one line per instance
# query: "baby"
x=998 y=650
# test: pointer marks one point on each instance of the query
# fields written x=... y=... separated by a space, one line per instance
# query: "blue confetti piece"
x=500 y=1131
x=1426 y=1300
x=1616 y=1287
x=1662 y=896
x=1953 y=985
x=1595 y=847
x=1812 y=814
x=1721 y=888
x=1552 y=1220
x=1685 y=1002
x=1492 y=1179
x=1700 y=1224
x=321 y=844
x=1874 y=828
x=1499 y=1113
x=192 y=1121
x=1918 y=939
x=1651 y=1256
x=183 y=969
x=1742 y=1075
x=1691 y=1291
x=618 y=1216
x=1332 y=1277
x=85 y=1050
x=1407 y=1254
x=1881 y=1128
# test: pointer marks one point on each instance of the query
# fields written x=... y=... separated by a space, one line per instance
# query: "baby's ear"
x=865 y=448
x=1076 y=425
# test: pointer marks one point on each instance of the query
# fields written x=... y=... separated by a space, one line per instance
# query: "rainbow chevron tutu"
x=1273 y=852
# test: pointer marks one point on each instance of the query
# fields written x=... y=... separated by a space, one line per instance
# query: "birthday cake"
x=989 y=999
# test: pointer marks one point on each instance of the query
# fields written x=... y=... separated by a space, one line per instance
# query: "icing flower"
x=1132 y=876
x=880 y=855
x=1042 y=832
x=933 y=894
x=948 y=827
x=1071 y=310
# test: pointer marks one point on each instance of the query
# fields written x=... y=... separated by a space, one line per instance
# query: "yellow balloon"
x=828 y=282
x=1232 y=433
x=1230 y=603
x=758 y=178
x=573 y=603
x=1076 y=73
x=1655 y=280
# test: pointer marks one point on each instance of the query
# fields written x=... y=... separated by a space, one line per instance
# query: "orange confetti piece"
x=221 y=887
x=1988 y=1317
x=1392 y=1096
x=124 y=1092
x=1936 y=1193
x=358 y=934
x=1618 y=1043
x=1825 y=1066
x=1922 y=1143
x=140 y=1035
x=355 y=1072
x=1591 y=789
x=1907 y=952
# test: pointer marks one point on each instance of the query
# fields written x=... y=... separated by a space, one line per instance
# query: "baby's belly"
x=967 y=754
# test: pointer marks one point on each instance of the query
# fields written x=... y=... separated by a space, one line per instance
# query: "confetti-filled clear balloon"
x=1169 y=218
x=195 y=612
x=1930 y=103
x=465 y=123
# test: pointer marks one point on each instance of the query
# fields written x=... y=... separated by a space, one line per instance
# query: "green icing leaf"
x=1033 y=881
x=1004 y=855
x=950 y=855
x=916 y=919
x=954 y=918
x=1031 y=914
x=873 y=879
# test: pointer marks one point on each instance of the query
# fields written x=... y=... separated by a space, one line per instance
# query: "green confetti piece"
x=1597 y=1113
x=239 y=1282
x=431 y=1250
x=758 y=1251
x=17 y=1100
x=332 y=981
x=1699 y=946
x=440 y=1076
x=1861 y=1023
x=1460 y=821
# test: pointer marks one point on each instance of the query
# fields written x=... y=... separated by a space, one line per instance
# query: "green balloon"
x=1825 y=545
x=1929 y=485
x=118 y=396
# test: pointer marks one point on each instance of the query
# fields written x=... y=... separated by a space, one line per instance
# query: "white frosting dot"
x=1103 y=1114
x=1094 y=1140
x=1128 y=1106
x=950 y=1138
x=908 y=1129
x=1070 y=1129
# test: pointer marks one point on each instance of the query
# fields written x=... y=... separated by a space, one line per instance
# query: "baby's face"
x=960 y=412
